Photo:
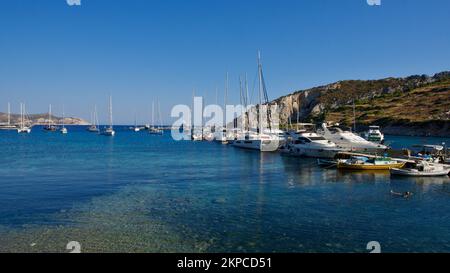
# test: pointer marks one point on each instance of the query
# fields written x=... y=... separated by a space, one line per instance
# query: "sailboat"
x=109 y=131
x=221 y=132
x=153 y=129
x=23 y=129
x=135 y=127
x=50 y=127
x=8 y=125
x=93 y=128
x=262 y=140
x=63 y=128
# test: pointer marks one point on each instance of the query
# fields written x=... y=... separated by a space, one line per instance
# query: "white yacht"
x=310 y=144
x=109 y=131
x=22 y=125
x=374 y=134
x=350 y=141
x=257 y=141
x=221 y=135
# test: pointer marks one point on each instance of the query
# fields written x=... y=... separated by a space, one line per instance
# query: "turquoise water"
x=143 y=193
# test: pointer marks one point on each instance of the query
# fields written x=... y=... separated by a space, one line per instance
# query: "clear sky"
x=143 y=50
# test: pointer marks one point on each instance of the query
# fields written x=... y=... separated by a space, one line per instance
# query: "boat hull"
x=416 y=173
x=374 y=167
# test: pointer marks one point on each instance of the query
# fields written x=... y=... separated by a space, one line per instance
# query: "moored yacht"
x=264 y=139
x=311 y=144
x=374 y=134
x=50 y=127
x=23 y=128
x=350 y=141
x=94 y=128
x=109 y=131
x=8 y=125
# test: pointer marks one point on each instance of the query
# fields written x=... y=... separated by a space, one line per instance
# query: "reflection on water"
x=142 y=193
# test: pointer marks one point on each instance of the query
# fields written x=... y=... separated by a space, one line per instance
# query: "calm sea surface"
x=143 y=193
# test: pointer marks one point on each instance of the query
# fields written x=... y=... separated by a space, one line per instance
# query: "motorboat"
x=374 y=134
x=423 y=168
x=350 y=141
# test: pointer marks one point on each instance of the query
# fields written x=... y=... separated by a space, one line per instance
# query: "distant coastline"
x=42 y=119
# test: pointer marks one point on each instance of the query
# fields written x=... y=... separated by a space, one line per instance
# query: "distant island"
x=41 y=119
x=416 y=106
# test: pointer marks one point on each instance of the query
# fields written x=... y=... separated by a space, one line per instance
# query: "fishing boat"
x=374 y=134
x=109 y=131
x=23 y=129
x=94 y=127
x=422 y=169
x=350 y=141
x=63 y=128
x=8 y=125
x=50 y=127
x=364 y=163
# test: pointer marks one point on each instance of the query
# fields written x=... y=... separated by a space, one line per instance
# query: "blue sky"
x=143 y=50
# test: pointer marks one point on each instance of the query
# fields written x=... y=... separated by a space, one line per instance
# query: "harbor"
x=135 y=192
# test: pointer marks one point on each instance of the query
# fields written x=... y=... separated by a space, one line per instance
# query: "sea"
x=138 y=192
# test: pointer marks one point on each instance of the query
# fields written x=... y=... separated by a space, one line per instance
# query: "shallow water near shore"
x=144 y=193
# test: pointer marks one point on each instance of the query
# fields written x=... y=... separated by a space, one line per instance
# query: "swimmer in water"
x=404 y=195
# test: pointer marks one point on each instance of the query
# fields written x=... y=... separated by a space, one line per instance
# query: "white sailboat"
x=23 y=128
x=154 y=130
x=221 y=134
x=264 y=140
x=109 y=131
x=50 y=127
x=135 y=128
x=8 y=125
x=63 y=129
x=94 y=127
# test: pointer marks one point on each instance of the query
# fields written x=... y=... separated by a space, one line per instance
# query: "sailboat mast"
x=63 y=116
x=247 y=121
x=110 y=113
x=21 y=115
x=260 y=85
x=49 y=115
x=354 y=117
x=9 y=113
x=159 y=115
x=225 y=100
x=153 y=114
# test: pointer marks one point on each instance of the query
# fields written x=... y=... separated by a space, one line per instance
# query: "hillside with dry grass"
x=416 y=105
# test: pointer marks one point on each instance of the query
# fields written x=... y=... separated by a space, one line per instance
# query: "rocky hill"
x=38 y=119
x=416 y=105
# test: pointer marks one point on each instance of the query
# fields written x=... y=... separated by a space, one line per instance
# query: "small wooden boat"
x=422 y=169
x=363 y=163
